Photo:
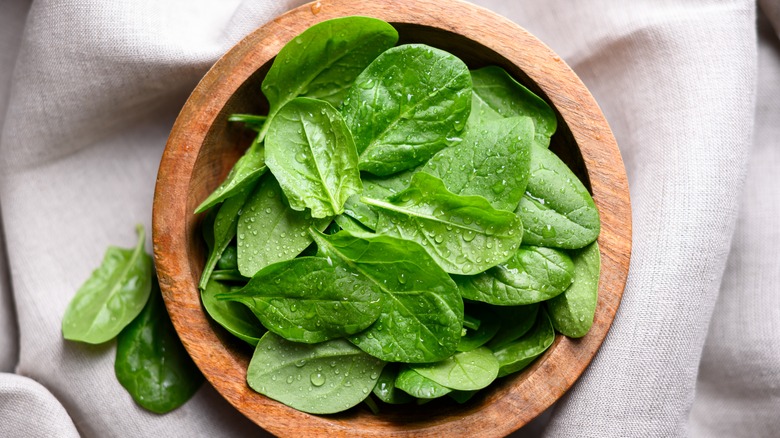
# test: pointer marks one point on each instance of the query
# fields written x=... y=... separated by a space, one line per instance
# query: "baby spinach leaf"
x=324 y=60
x=515 y=321
x=225 y=225
x=268 y=231
x=496 y=94
x=350 y=224
x=311 y=299
x=228 y=275
x=408 y=104
x=462 y=396
x=235 y=317
x=319 y=378
x=151 y=363
x=421 y=314
x=112 y=296
x=532 y=275
x=517 y=355
x=228 y=259
x=463 y=234
x=464 y=371
x=385 y=388
x=244 y=173
x=557 y=210
x=311 y=153
x=572 y=312
x=414 y=384
x=492 y=161
x=488 y=327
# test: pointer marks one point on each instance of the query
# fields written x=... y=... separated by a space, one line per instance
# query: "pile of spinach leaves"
x=397 y=228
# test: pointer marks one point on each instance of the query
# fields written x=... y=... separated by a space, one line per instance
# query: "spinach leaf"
x=244 y=173
x=225 y=225
x=572 y=312
x=464 y=371
x=311 y=299
x=532 y=275
x=112 y=296
x=461 y=396
x=324 y=60
x=496 y=94
x=268 y=231
x=250 y=120
x=492 y=161
x=229 y=258
x=228 y=275
x=385 y=388
x=515 y=321
x=235 y=317
x=319 y=378
x=350 y=224
x=376 y=188
x=151 y=362
x=557 y=210
x=488 y=327
x=408 y=104
x=519 y=354
x=422 y=312
x=311 y=153
x=414 y=384
x=463 y=234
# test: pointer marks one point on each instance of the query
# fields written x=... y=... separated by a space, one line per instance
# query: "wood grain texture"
x=203 y=146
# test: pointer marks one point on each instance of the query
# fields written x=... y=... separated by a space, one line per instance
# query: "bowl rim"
x=525 y=395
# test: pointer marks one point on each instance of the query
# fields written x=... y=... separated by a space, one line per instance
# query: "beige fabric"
x=691 y=92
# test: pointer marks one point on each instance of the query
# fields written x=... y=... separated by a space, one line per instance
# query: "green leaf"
x=252 y=121
x=248 y=169
x=324 y=60
x=515 y=321
x=414 y=384
x=518 y=354
x=320 y=378
x=311 y=153
x=532 y=275
x=496 y=94
x=572 y=312
x=557 y=210
x=151 y=363
x=411 y=102
x=464 y=371
x=225 y=225
x=492 y=161
x=235 y=317
x=269 y=231
x=112 y=296
x=229 y=259
x=488 y=327
x=385 y=388
x=311 y=299
x=463 y=234
x=422 y=312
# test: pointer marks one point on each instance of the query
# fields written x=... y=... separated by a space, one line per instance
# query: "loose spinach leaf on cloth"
x=269 y=231
x=464 y=234
x=408 y=104
x=518 y=354
x=464 y=371
x=324 y=60
x=112 y=296
x=311 y=299
x=557 y=210
x=497 y=94
x=244 y=173
x=414 y=384
x=235 y=317
x=422 y=311
x=225 y=226
x=533 y=274
x=572 y=312
x=492 y=161
x=151 y=362
x=319 y=378
x=311 y=153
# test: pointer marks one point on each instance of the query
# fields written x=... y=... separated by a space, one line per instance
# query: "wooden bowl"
x=203 y=146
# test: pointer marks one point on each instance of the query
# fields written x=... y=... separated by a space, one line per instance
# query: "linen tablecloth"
x=88 y=94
